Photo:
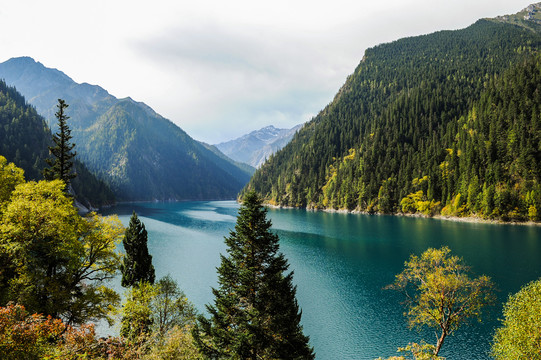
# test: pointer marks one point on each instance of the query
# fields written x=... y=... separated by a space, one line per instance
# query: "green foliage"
x=418 y=351
x=61 y=166
x=24 y=136
x=460 y=109
x=158 y=320
x=171 y=307
x=53 y=260
x=520 y=334
x=417 y=202
x=137 y=263
x=10 y=177
x=255 y=313
x=440 y=293
x=178 y=345
x=24 y=140
x=137 y=312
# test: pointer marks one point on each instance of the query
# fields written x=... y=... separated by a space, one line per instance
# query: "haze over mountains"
x=142 y=155
x=254 y=148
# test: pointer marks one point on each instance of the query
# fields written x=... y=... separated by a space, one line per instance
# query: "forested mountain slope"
x=148 y=157
x=24 y=140
x=391 y=129
x=142 y=155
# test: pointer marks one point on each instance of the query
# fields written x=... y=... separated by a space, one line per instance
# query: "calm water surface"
x=341 y=263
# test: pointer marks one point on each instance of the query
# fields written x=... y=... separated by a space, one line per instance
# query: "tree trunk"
x=439 y=343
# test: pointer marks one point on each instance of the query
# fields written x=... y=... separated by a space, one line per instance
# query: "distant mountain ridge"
x=529 y=18
x=142 y=155
x=254 y=148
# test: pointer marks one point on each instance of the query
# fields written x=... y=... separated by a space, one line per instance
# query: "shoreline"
x=466 y=219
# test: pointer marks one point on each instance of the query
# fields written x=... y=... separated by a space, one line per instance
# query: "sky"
x=220 y=69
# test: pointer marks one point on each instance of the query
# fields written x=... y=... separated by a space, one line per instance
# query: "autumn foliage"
x=25 y=336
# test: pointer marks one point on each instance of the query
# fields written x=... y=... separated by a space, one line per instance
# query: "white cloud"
x=222 y=68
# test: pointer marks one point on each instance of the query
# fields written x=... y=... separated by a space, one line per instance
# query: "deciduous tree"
x=24 y=336
x=171 y=307
x=10 y=176
x=155 y=317
x=53 y=260
x=520 y=334
x=440 y=293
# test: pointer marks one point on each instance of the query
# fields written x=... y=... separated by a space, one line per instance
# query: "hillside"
x=142 y=155
x=528 y=18
x=390 y=129
x=24 y=140
x=248 y=169
x=254 y=148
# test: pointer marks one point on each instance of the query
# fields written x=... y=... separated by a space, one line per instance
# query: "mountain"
x=528 y=18
x=24 y=140
x=248 y=169
x=254 y=148
x=142 y=155
x=392 y=139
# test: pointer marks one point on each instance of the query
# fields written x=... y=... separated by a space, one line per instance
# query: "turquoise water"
x=341 y=263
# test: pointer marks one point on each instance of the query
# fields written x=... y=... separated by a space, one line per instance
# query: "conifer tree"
x=255 y=314
x=137 y=264
x=62 y=163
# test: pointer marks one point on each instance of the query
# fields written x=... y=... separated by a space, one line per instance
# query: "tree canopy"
x=440 y=294
x=520 y=334
x=10 y=177
x=53 y=260
x=137 y=263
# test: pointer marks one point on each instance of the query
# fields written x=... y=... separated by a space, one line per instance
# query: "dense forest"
x=24 y=140
x=428 y=124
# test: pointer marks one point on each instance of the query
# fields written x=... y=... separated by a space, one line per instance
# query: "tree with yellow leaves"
x=440 y=293
x=53 y=260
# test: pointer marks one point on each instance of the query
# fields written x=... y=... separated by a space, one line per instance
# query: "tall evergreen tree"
x=62 y=163
x=137 y=264
x=255 y=314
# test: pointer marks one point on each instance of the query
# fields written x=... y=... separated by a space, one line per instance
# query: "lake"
x=341 y=263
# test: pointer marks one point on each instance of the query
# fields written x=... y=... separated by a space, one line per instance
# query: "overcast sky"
x=222 y=68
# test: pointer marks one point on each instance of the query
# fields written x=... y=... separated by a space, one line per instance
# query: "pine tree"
x=137 y=264
x=255 y=314
x=62 y=163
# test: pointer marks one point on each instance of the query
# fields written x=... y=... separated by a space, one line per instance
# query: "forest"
x=442 y=123
x=24 y=140
x=447 y=123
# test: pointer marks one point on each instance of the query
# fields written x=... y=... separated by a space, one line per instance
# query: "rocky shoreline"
x=465 y=219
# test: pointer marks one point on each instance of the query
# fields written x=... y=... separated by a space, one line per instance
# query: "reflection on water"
x=210 y=215
x=341 y=263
